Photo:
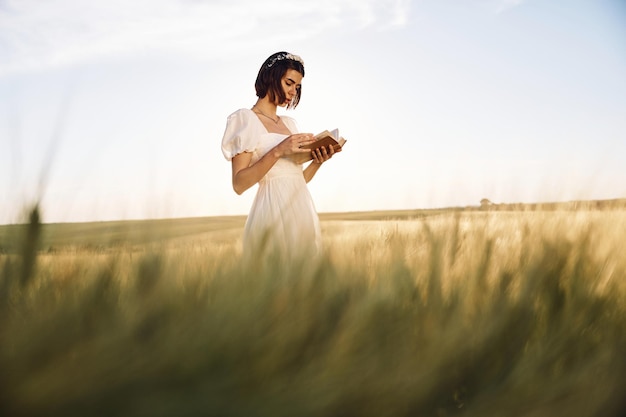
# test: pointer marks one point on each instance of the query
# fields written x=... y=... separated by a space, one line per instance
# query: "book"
x=326 y=139
x=322 y=139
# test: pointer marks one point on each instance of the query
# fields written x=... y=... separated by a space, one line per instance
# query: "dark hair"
x=271 y=73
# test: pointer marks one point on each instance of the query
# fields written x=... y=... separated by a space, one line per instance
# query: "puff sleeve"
x=240 y=134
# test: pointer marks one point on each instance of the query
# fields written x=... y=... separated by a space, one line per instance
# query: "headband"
x=285 y=55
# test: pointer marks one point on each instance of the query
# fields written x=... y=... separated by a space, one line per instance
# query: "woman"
x=262 y=148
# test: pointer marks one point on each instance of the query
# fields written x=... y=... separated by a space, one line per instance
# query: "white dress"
x=283 y=218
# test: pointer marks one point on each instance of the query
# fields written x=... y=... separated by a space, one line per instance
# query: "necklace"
x=263 y=114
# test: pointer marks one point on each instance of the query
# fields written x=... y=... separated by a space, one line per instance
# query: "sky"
x=115 y=110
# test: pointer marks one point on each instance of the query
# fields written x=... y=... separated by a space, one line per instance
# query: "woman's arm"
x=246 y=175
x=320 y=155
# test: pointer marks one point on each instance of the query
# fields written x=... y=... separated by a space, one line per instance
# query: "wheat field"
x=439 y=313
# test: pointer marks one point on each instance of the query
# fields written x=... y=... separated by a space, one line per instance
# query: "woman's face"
x=291 y=82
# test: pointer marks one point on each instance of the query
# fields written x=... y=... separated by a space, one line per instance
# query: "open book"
x=322 y=139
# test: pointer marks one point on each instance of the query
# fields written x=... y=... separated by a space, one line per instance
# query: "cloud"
x=36 y=35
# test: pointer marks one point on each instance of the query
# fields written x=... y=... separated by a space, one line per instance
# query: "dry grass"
x=461 y=313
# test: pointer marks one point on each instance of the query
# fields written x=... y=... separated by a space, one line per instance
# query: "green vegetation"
x=470 y=313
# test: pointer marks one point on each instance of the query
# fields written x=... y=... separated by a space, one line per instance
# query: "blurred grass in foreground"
x=473 y=314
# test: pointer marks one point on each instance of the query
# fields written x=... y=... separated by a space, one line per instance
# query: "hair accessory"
x=285 y=55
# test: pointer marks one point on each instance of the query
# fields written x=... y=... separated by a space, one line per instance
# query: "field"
x=415 y=313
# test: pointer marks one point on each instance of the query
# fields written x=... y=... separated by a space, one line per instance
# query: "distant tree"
x=485 y=202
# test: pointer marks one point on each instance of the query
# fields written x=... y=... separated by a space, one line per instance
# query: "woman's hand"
x=293 y=144
x=321 y=155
